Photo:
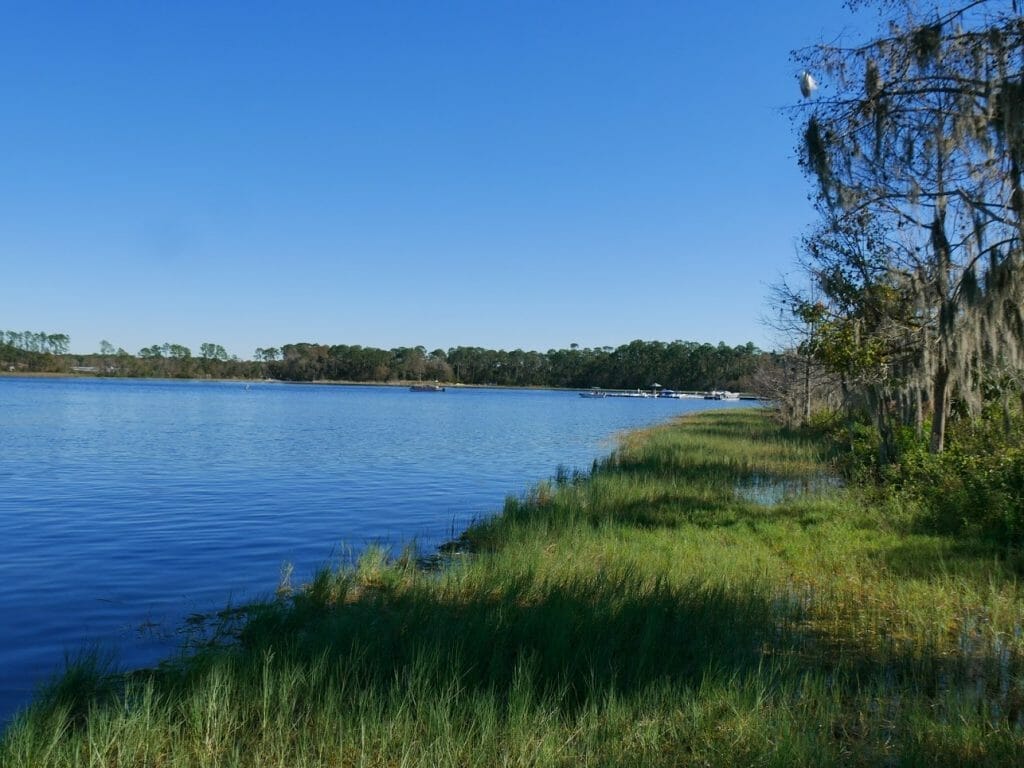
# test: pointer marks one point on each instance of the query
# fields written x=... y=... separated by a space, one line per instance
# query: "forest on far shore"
x=683 y=365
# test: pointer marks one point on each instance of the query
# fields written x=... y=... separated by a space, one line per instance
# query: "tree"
x=409 y=362
x=210 y=351
x=919 y=148
x=58 y=343
x=177 y=351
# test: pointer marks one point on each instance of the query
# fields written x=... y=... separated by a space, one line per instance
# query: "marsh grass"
x=646 y=614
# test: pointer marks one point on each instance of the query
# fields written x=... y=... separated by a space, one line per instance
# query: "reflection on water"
x=768 y=490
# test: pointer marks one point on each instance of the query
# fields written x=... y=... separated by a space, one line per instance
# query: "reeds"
x=652 y=613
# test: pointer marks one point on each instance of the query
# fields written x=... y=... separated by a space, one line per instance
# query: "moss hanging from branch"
x=926 y=42
x=923 y=136
x=817 y=157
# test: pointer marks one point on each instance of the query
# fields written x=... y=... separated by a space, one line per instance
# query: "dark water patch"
x=769 y=490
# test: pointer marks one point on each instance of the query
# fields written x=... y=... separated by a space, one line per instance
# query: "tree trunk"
x=884 y=435
x=918 y=414
x=807 y=391
x=941 y=403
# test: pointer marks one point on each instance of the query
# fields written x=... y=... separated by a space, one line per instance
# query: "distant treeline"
x=36 y=341
x=678 y=364
x=684 y=365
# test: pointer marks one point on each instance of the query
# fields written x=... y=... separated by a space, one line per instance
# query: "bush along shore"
x=707 y=595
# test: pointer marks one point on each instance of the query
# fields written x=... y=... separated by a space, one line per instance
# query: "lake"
x=126 y=505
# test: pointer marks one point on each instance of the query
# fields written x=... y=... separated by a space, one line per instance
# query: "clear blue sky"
x=496 y=174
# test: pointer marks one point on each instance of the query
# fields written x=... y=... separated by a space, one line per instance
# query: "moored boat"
x=716 y=394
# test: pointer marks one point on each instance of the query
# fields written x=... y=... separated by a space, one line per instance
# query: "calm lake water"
x=126 y=505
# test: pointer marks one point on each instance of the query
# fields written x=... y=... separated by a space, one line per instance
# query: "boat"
x=594 y=393
x=426 y=388
x=716 y=394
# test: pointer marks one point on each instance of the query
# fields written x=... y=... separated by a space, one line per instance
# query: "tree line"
x=36 y=341
x=638 y=364
x=42 y=352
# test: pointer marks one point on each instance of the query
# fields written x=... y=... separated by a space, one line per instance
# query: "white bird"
x=808 y=84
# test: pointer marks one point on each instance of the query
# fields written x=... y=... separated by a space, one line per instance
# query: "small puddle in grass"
x=768 y=490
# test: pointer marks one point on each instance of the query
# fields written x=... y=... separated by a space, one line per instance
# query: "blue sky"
x=496 y=174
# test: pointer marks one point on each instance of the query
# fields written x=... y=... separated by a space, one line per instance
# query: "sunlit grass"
x=653 y=613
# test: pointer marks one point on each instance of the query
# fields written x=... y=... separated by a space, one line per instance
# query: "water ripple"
x=127 y=505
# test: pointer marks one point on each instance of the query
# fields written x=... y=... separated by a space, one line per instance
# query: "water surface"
x=126 y=505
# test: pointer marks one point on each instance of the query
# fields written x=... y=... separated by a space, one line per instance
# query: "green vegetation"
x=911 y=324
x=973 y=488
x=28 y=352
x=915 y=302
x=706 y=596
x=31 y=351
x=679 y=364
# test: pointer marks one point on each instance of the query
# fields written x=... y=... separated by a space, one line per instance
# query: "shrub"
x=975 y=487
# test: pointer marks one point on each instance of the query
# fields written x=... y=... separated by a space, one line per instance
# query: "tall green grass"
x=703 y=597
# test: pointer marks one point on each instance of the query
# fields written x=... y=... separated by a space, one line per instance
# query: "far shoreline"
x=746 y=396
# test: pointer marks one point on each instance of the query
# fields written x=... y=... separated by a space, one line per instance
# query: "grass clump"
x=656 y=612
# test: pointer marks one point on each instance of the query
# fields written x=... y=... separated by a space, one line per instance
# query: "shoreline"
x=695 y=599
x=745 y=396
